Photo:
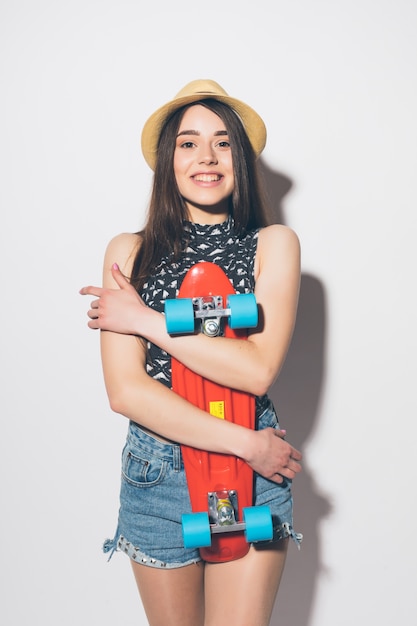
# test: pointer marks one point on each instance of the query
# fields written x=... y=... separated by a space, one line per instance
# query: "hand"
x=118 y=310
x=273 y=457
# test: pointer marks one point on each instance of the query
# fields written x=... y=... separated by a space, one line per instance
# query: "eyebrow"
x=218 y=133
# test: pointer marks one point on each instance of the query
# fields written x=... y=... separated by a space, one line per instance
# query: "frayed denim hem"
x=286 y=530
x=122 y=545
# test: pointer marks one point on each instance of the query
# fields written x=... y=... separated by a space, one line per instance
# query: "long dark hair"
x=163 y=234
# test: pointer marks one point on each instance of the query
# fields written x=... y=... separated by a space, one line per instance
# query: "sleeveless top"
x=216 y=243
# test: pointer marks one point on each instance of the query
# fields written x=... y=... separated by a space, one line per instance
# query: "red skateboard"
x=223 y=522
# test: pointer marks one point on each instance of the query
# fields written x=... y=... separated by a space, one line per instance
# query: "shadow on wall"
x=296 y=395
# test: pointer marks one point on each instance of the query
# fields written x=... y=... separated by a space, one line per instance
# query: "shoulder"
x=122 y=250
x=278 y=237
x=278 y=247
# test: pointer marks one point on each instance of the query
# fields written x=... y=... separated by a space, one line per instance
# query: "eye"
x=223 y=144
x=186 y=144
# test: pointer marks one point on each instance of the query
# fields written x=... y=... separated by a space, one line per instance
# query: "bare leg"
x=243 y=592
x=172 y=597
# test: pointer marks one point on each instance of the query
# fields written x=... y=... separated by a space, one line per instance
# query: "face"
x=203 y=165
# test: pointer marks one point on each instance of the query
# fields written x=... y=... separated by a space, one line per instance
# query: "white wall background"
x=336 y=83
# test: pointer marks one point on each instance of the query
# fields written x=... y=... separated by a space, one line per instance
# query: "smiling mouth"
x=207 y=178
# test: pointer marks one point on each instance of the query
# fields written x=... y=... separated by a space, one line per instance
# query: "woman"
x=205 y=206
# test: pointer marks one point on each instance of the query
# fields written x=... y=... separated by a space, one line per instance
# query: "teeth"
x=207 y=178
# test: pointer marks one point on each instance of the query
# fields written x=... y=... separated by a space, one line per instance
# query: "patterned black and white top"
x=217 y=243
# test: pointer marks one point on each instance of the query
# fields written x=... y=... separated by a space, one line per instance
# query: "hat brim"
x=252 y=122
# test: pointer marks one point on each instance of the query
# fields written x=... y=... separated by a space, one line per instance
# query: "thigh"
x=243 y=592
x=173 y=596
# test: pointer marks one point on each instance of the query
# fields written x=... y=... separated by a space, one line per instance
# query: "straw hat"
x=193 y=92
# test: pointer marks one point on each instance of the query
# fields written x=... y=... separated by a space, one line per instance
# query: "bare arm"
x=140 y=398
x=250 y=365
x=134 y=394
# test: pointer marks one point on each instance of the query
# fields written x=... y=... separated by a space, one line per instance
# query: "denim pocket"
x=268 y=419
x=141 y=469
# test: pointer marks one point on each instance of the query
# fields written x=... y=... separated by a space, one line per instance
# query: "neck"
x=204 y=216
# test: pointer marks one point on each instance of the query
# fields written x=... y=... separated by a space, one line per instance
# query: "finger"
x=277 y=478
x=91 y=291
x=296 y=455
x=279 y=432
x=118 y=277
x=286 y=473
x=294 y=466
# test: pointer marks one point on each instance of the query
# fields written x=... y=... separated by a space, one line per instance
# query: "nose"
x=207 y=155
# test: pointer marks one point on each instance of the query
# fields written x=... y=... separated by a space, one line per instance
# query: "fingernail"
x=115 y=266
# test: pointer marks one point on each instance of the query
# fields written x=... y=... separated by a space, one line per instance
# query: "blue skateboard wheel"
x=243 y=310
x=258 y=520
x=196 y=530
x=179 y=316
